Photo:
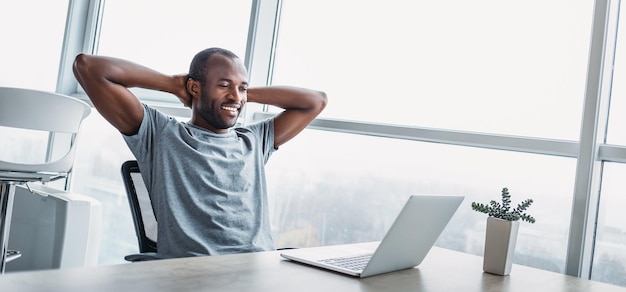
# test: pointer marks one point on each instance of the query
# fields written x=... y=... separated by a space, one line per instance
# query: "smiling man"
x=206 y=177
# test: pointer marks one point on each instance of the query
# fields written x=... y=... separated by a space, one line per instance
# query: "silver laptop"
x=408 y=240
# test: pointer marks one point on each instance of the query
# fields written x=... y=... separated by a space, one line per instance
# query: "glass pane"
x=100 y=153
x=609 y=261
x=617 y=119
x=32 y=40
x=23 y=146
x=350 y=190
x=165 y=35
x=506 y=67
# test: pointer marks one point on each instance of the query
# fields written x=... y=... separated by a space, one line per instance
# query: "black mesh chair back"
x=143 y=215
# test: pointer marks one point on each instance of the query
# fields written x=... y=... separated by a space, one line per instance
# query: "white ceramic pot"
x=500 y=241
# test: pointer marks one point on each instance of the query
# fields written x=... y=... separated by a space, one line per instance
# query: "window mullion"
x=80 y=36
x=261 y=45
x=588 y=168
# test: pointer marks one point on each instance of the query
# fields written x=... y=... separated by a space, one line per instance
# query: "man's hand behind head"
x=183 y=94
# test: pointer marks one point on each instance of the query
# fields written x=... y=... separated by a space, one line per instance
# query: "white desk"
x=442 y=270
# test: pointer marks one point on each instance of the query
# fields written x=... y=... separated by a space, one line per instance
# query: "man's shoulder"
x=158 y=118
x=155 y=112
x=256 y=126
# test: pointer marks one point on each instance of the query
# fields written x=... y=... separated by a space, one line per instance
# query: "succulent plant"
x=504 y=210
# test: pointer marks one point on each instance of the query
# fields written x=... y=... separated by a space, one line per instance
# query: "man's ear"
x=193 y=87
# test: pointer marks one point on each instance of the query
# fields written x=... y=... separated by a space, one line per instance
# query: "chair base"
x=13 y=255
x=146 y=256
x=8 y=181
x=7 y=190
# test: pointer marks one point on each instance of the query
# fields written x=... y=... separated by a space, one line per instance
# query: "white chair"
x=28 y=109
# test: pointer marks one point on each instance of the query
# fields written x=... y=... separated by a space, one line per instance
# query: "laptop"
x=404 y=246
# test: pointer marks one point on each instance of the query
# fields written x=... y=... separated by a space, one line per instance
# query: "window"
x=32 y=34
x=609 y=260
x=452 y=65
x=100 y=153
x=455 y=66
x=617 y=119
x=609 y=256
x=493 y=69
x=166 y=35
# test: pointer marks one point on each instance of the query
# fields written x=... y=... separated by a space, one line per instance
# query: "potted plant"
x=501 y=235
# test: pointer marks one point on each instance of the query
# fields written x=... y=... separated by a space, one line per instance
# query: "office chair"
x=24 y=110
x=143 y=215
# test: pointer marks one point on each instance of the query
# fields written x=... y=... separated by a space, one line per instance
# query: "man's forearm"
x=287 y=97
x=124 y=73
x=301 y=107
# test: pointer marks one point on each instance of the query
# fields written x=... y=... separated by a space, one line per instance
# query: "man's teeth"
x=229 y=108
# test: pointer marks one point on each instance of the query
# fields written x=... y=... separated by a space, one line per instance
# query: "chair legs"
x=7 y=190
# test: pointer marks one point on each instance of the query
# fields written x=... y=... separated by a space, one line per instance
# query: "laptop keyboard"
x=354 y=263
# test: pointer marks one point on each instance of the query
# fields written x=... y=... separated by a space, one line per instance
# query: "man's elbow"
x=322 y=100
x=80 y=63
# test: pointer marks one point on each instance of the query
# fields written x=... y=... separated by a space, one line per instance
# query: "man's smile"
x=233 y=108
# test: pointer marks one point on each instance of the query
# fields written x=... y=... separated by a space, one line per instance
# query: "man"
x=206 y=178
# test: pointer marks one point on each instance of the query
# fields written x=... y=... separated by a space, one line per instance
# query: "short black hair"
x=198 y=68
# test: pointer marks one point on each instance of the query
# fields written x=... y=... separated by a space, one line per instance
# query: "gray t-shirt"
x=208 y=190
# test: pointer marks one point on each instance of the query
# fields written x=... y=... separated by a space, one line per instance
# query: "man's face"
x=223 y=95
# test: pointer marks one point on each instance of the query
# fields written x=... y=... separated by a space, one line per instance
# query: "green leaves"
x=503 y=210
